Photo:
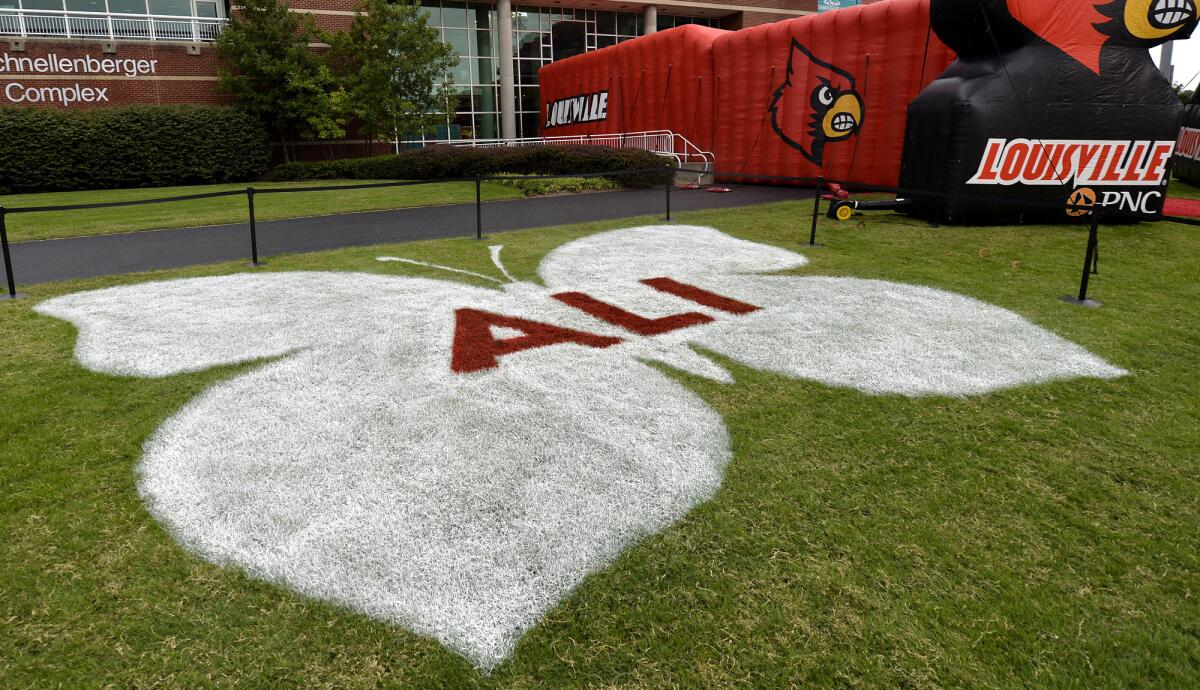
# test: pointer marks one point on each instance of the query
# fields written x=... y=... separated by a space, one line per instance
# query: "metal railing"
x=145 y=27
x=662 y=142
x=1088 y=214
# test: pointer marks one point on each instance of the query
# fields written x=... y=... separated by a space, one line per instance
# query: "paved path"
x=84 y=257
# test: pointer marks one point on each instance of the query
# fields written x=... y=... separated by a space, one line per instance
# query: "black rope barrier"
x=114 y=204
x=1084 y=211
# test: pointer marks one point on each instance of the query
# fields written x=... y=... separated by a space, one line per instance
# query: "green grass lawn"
x=1045 y=536
x=221 y=210
x=1182 y=190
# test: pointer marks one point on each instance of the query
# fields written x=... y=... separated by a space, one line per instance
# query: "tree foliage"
x=393 y=69
x=272 y=74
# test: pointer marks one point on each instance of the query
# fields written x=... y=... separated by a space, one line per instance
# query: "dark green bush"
x=441 y=162
x=44 y=149
x=538 y=186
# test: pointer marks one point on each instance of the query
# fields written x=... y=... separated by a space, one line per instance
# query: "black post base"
x=1074 y=299
x=12 y=298
x=260 y=264
x=814 y=245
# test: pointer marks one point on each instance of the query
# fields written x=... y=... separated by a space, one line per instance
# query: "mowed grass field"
x=1045 y=536
x=222 y=210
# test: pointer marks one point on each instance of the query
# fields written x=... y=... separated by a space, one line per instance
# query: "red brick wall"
x=177 y=77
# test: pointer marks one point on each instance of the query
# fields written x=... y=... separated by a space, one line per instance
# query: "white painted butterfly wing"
x=359 y=468
x=873 y=336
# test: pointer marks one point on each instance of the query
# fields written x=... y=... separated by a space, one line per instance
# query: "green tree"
x=1185 y=94
x=394 y=69
x=272 y=74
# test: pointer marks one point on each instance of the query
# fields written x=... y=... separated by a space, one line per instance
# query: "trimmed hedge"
x=50 y=149
x=441 y=162
x=537 y=186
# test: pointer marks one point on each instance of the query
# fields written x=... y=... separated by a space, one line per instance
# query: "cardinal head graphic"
x=1083 y=28
x=818 y=104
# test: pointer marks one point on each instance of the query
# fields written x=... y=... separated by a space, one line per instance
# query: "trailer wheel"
x=842 y=211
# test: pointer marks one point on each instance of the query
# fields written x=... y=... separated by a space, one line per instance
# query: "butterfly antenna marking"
x=444 y=268
x=496 y=260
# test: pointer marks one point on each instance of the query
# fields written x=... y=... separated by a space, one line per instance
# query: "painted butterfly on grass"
x=456 y=459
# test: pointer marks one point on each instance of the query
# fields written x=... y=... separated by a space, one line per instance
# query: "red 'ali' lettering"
x=1068 y=162
x=628 y=320
x=695 y=294
x=476 y=346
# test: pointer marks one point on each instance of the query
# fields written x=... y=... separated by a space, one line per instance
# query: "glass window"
x=528 y=69
x=605 y=41
x=454 y=14
x=433 y=14
x=529 y=124
x=457 y=38
x=461 y=73
x=482 y=16
x=606 y=23
x=206 y=9
x=486 y=126
x=86 y=6
x=127 y=6
x=627 y=24
x=485 y=71
x=569 y=39
x=174 y=8
x=487 y=98
x=527 y=20
x=529 y=99
x=527 y=44
x=484 y=43
x=42 y=4
x=8 y=4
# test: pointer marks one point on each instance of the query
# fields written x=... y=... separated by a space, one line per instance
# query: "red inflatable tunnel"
x=817 y=95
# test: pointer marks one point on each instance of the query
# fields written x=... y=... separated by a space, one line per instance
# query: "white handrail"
x=662 y=142
x=71 y=24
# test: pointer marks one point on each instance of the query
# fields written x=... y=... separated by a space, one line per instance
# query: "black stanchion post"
x=479 y=207
x=812 y=237
x=8 y=274
x=1088 y=261
x=253 y=228
x=670 y=183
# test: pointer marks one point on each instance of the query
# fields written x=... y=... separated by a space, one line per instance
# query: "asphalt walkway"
x=85 y=257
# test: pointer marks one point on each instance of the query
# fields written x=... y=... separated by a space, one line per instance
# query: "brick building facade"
x=95 y=53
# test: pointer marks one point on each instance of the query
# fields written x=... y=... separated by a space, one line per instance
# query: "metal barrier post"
x=479 y=207
x=8 y=273
x=1088 y=262
x=812 y=236
x=253 y=228
x=670 y=183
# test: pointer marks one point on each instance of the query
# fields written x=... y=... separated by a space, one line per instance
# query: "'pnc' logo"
x=1084 y=200
x=592 y=107
x=1080 y=202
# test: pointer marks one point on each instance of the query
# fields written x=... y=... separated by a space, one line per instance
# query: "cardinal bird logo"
x=1082 y=28
x=826 y=94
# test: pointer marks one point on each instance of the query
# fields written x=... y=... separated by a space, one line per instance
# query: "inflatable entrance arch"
x=977 y=103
